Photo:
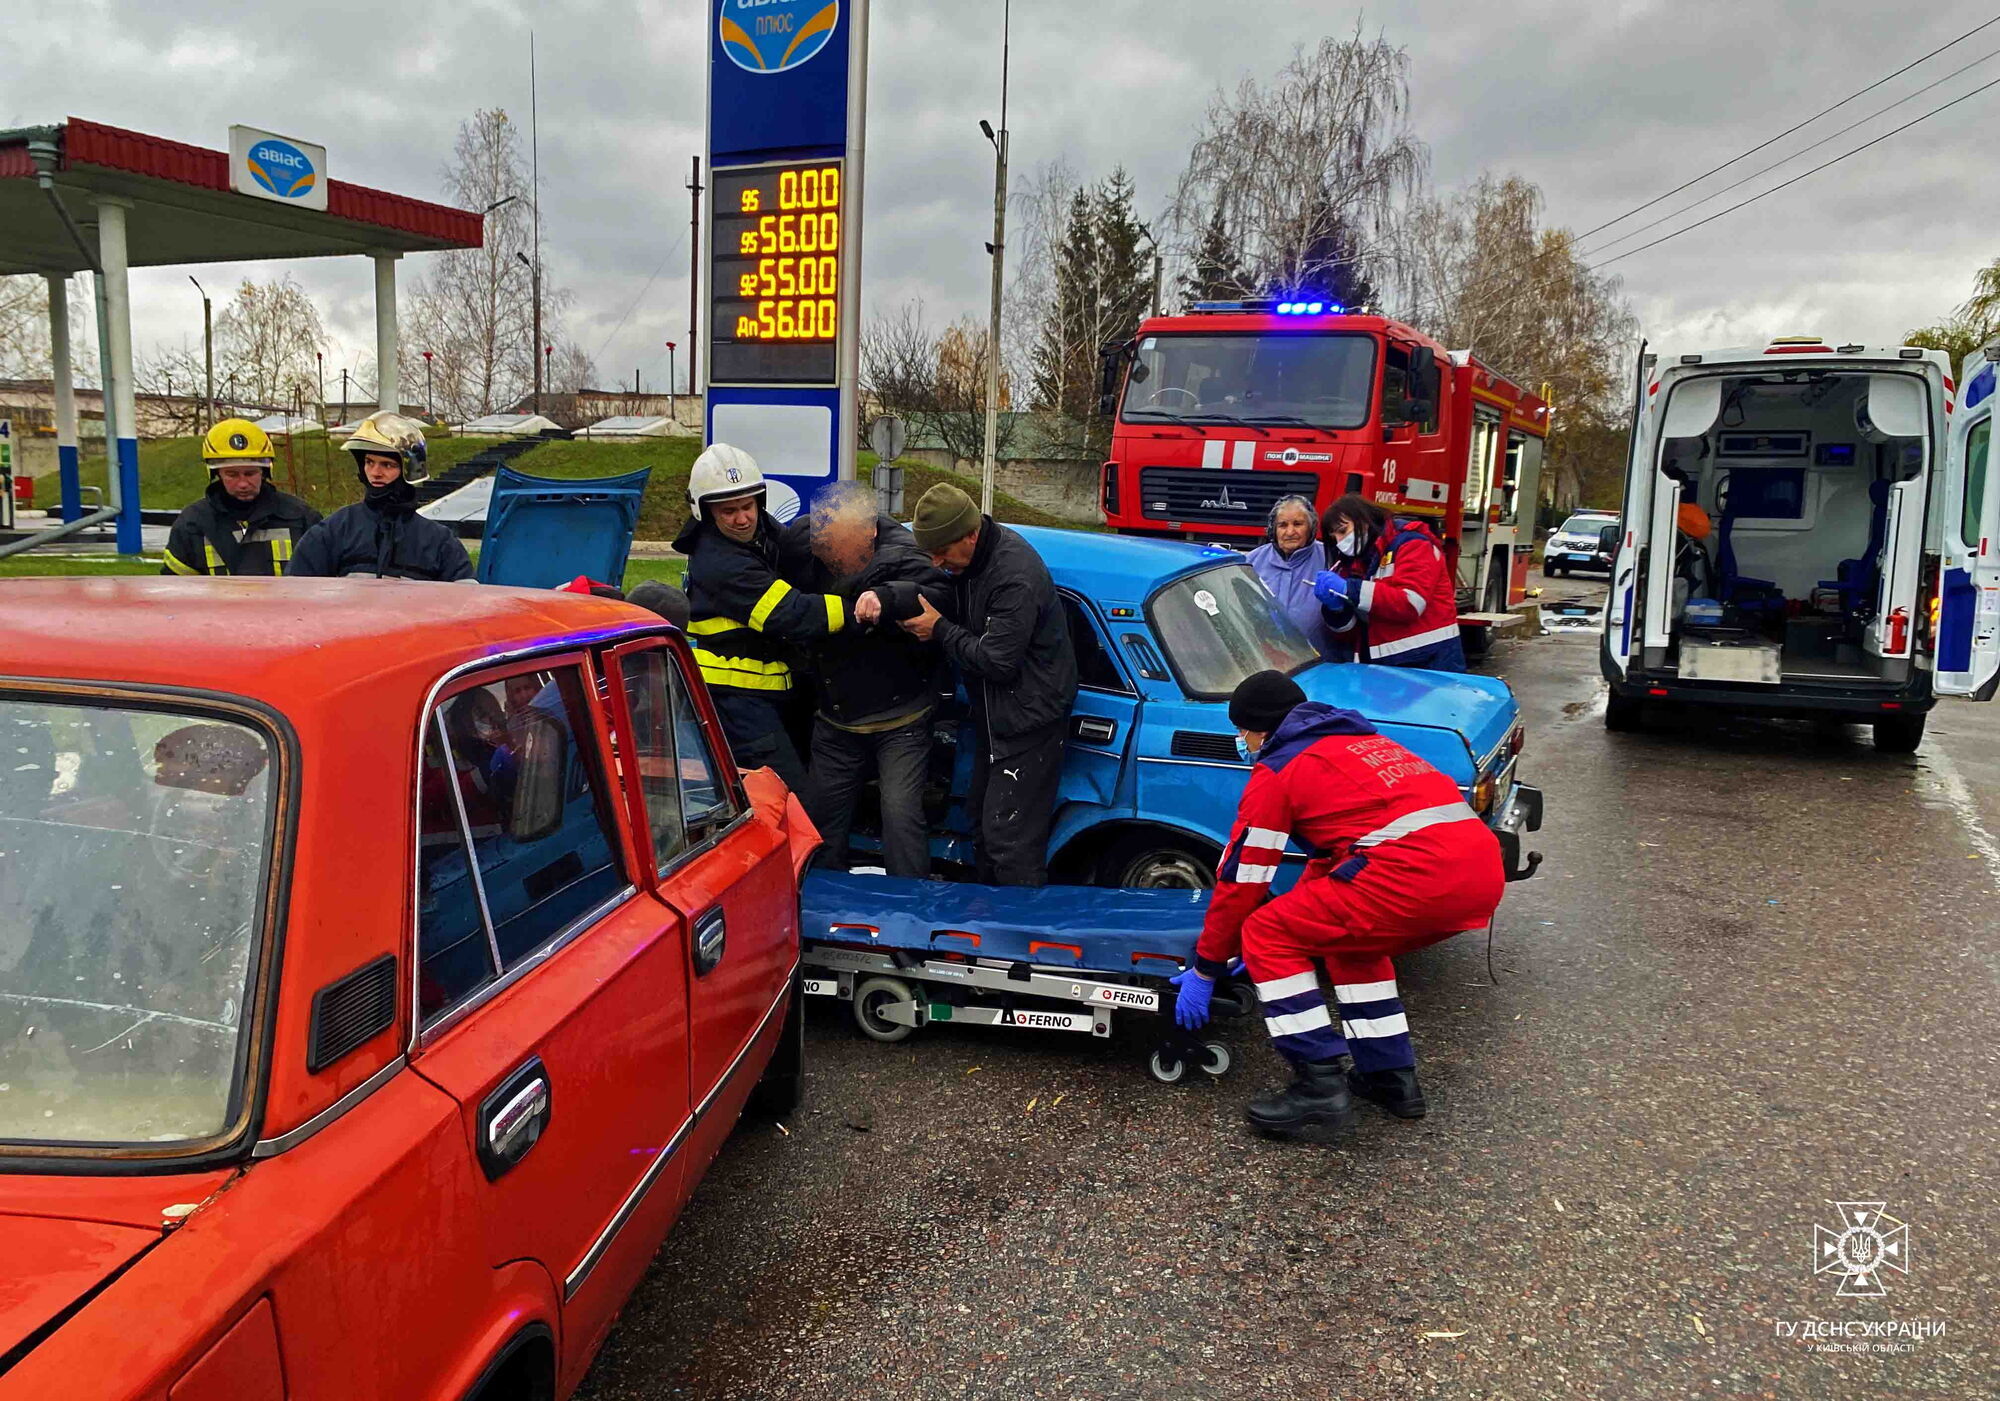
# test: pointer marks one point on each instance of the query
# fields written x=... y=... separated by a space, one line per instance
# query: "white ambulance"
x=1810 y=530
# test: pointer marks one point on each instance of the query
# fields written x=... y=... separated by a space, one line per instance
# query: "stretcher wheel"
x=1166 y=1067
x=1217 y=1061
x=869 y=1000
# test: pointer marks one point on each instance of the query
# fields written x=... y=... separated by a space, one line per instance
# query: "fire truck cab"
x=1222 y=412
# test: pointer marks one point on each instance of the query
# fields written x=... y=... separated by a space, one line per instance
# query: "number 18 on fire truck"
x=1222 y=411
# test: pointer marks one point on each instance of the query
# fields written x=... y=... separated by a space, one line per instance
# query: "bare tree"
x=24 y=330
x=1303 y=177
x=266 y=337
x=934 y=380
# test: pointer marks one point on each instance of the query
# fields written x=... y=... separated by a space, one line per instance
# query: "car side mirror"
x=1423 y=361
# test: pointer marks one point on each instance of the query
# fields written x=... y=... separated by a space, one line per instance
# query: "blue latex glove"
x=1191 y=1008
x=1330 y=588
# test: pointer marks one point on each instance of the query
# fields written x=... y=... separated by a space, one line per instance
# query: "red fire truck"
x=1227 y=409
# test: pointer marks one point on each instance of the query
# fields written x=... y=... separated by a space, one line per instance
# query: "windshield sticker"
x=1205 y=601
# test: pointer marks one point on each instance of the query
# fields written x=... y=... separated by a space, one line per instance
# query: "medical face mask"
x=1348 y=544
x=1243 y=749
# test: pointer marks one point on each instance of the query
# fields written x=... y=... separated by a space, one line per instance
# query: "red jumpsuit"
x=1397 y=861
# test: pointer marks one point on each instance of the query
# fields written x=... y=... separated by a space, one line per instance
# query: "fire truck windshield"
x=1325 y=381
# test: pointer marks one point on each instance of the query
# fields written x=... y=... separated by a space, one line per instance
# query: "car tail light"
x=1517 y=741
x=1482 y=794
x=1108 y=492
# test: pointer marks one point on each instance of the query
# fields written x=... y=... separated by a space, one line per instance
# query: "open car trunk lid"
x=544 y=531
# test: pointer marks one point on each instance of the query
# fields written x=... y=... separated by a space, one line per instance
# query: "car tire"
x=1624 y=714
x=1476 y=643
x=1900 y=734
x=1156 y=861
x=782 y=1087
x=1556 y=571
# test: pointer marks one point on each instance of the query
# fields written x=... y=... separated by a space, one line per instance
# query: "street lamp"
x=535 y=279
x=997 y=249
x=670 y=383
x=430 y=405
x=496 y=204
x=319 y=382
x=207 y=348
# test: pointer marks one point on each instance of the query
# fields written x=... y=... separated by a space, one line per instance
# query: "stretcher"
x=906 y=954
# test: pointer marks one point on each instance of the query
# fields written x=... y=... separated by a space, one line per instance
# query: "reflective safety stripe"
x=1365 y=992
x=211 y=558
x=1417 y=601
x=1366 y=1028
x=1255 y=875
x=281 y=548
x=1292 y=1023
x=773 y=596
x=1416 y=822
x=743 y=672
x=174 y=563
x=708 y=627
x=1414 y=641
x=1291 y=985
x=836 y=613
x=1265 y=836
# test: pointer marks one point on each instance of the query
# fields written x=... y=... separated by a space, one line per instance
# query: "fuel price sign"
x=775 y=273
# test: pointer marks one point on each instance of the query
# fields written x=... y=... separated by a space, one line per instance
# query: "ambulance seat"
x=1750 y=596
x=1857 y=579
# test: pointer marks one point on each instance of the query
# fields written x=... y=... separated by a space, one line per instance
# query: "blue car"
x=1163 y=632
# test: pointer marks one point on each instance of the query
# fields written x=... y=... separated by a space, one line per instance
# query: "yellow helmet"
x=393 y=435
x=236 y=440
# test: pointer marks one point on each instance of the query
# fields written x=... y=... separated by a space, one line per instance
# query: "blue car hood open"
x=1480 y=708
x=544 y=531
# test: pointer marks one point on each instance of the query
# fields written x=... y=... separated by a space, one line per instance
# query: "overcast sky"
x=1603 y=103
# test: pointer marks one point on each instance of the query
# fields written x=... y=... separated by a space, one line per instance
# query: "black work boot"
x=1318 y=1096
x=1395 y=1090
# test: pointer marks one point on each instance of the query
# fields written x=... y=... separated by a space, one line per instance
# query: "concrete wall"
x=1062 y=487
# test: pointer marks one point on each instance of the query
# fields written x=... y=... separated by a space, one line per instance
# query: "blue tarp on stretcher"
x=1146 y=932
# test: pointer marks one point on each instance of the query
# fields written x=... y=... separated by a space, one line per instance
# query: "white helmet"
x=723 y=473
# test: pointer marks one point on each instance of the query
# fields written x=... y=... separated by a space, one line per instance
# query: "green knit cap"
x=944 y=515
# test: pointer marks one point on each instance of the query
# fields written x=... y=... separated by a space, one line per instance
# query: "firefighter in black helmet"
x=382 y=534
x=242 y=524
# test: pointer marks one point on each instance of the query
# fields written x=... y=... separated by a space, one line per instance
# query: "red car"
x=381 y=965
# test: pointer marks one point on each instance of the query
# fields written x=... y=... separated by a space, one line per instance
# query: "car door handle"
x=1094 y=729
x=710 y=934
x=513 y=1118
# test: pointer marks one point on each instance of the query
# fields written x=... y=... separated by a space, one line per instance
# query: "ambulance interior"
x=1796 y=502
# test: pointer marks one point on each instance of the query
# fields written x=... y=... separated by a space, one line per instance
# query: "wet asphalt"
x=1755 y=977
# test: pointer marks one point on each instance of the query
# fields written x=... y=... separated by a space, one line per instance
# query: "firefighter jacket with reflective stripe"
x=1404 y=610
x=744 y=619
x=1363 y=808
x=210 y=537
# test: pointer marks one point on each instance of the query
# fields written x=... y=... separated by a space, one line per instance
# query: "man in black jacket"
x=242 y=524
x=876 y=684
x=382 y=534
x=1010 y=642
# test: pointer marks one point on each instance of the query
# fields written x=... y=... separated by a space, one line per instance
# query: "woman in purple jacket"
x=1291 y=557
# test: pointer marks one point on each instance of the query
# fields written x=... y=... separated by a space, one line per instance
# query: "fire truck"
x=1223 y=411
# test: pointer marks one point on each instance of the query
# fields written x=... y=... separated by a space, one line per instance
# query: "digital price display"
x=775 y=273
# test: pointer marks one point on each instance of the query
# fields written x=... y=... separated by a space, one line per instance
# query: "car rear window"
x=134 y=850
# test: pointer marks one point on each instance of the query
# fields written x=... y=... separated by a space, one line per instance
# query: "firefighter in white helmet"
x=382 y=534
x=744 y=618
x=242 y=524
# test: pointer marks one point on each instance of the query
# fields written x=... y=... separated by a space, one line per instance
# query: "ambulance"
x=1809 y=531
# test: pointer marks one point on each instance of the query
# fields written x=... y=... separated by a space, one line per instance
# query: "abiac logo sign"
x=770 y=36
x=1867 y=1242
x=283 y=169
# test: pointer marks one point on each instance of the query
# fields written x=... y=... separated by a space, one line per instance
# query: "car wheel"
x=1624 y=714
x=1477 y=643
x=871 y=998
x=781 y=1090
x=1156 y=861
x=1899 y=735
x=1557 y=570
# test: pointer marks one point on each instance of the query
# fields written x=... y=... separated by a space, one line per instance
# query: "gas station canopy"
x=184 y=211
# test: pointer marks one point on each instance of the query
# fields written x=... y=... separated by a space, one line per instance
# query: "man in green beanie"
x=1010 y=642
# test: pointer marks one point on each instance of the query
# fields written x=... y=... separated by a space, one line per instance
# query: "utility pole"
x=430 y=404
x=207 y=351
x=997 y=248
x=319 y=375
x=343 y=396
x=1156 y=267
x=670 y=384
x=694 y=187
x=535 y=207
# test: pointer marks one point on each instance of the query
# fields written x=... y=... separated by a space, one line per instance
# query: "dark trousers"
x=842 y=764
x=1013 y=800
x=754 y=724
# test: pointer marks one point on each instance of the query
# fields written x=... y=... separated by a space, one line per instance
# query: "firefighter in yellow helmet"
x=382 y=534
x=242 y=524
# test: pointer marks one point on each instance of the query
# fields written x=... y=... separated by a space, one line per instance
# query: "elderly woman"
x=1288 y=562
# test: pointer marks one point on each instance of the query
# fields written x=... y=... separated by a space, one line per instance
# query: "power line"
x=1786 y=160
x=1873 y=141
x=633 y=306
x=1788 y=131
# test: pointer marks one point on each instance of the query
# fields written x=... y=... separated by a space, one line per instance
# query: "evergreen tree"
x=1125 y=268
x=1217 y=271
x=1061 y=364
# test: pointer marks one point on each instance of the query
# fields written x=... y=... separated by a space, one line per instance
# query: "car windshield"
x=1221 y=625
x=1326 y=381
x=133 y=847
x=1586 y=525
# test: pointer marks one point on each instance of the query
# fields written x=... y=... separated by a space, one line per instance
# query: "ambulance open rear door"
x=1968 y=597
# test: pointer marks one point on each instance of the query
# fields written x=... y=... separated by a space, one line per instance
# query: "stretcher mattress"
x=1148 y=932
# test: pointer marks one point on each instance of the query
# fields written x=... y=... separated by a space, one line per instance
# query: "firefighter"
x=744 y=620
x=242 y=524
x=382 y=534
x=1400 y=861
x=1390 y=597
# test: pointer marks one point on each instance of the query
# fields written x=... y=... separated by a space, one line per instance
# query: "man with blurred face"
x=242 y=524
x=876 y=683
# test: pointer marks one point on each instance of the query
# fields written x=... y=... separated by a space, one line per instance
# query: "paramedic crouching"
x=1408 y=863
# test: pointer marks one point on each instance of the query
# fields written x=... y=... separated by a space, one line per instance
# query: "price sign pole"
x=787 y=86
x=6 y=473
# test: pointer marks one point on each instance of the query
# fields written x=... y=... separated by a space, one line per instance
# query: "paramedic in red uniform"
x=1397 y=861
x=1390 y=597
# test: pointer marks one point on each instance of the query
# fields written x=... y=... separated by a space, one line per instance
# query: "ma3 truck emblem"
x=1291 y=457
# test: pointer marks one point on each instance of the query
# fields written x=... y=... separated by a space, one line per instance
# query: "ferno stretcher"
x=906 y=954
